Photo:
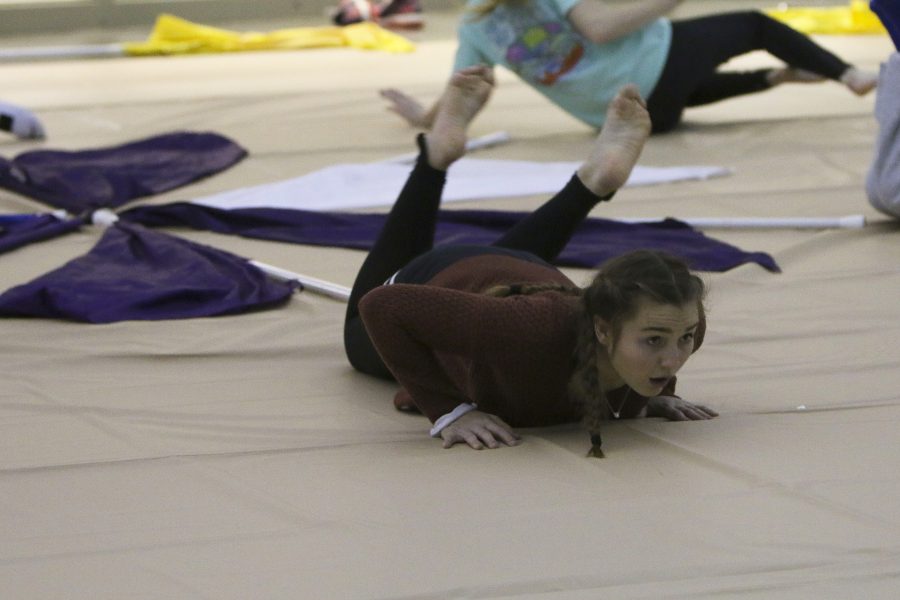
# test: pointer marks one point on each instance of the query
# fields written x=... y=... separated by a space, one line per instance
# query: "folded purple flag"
x=137 y=274
x=109 y=177
x=595 y=241
x=19 y=230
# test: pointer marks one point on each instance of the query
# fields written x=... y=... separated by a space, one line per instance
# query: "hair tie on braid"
x=596 y=451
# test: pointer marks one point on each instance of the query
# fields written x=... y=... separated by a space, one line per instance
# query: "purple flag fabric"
x=595 y=241
x=108 y=177
x=19 y=230
x=137 y=274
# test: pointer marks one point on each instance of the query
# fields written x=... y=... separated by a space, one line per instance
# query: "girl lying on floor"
x=487 y=338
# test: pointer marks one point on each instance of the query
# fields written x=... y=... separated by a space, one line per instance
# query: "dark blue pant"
x=889 y=13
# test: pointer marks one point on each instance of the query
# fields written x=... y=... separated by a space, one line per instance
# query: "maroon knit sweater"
x=447 y=343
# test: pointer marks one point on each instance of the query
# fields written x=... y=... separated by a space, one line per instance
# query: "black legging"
x=409 y=230
x=700 y=46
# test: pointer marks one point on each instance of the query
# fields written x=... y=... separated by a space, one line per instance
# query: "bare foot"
x=466 y=94
x=619 y=144
x=858 y=81
x=792 y=75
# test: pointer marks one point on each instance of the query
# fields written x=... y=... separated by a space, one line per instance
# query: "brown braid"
x=525 y=289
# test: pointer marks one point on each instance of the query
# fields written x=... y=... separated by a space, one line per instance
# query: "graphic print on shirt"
x=539 y=47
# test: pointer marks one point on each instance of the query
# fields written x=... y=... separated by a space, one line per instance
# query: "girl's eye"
x=688 y=337
x=656 y=340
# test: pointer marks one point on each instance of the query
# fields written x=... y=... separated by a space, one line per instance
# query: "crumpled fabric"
x=854 y=19
x=595 y=240
x=20 y=230
x=84 y=180
x=173 y=35
x=134 y=273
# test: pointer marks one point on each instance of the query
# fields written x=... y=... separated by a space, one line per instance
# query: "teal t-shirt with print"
x=534 y=39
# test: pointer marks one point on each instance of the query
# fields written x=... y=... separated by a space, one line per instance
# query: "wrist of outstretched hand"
x=450 y=417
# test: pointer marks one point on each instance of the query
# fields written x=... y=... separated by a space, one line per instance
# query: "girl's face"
x=651 y=346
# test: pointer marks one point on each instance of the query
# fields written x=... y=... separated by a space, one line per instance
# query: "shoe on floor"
x=401 y=14
x=349 y=12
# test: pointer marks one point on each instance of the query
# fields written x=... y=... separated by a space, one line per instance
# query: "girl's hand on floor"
x=479 y=430
x=676 y=409
x=409 y=109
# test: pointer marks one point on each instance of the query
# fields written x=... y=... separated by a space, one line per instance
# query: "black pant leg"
x=701 y=45
x=407 y=233
x=546 y=231
x=727 y=84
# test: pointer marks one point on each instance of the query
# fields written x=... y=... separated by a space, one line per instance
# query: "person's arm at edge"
x=399 y=327
x=413 y=364
x=603 y=22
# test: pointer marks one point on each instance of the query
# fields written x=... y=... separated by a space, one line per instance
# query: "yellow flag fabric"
x=173 y=35
x=855 y=18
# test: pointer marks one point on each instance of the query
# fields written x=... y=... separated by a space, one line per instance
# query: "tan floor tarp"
x=240 y=457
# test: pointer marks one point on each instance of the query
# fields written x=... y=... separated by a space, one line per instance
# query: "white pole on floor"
x=105 y=217
x=319 y=286
x=845 y=222
x=59 y=52
x=486 y=141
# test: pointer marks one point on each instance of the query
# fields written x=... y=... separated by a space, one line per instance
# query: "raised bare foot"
x=619 y=144
x=858 y=81
x=792 y=75
x=466 y=94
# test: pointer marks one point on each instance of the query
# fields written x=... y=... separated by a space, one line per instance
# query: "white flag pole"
x=105 y=217
x=340 y=292
x=845 y=222
x=60 y=52
x=486 y=141
x=320 y=286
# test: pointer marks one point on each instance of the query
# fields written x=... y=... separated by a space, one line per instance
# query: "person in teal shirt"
x=578 y=53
